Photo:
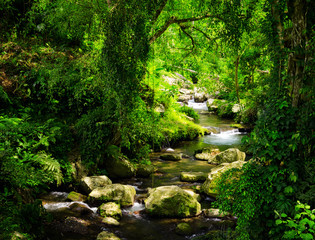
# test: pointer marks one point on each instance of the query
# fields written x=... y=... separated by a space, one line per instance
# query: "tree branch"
x=158 y=12
x=173 y=19
x=187 y=34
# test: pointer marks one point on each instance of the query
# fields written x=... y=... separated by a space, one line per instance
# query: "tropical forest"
x=157 y=119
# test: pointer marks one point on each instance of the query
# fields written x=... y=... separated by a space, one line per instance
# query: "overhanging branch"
x=173 y=19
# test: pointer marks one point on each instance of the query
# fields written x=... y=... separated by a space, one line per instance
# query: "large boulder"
x=208 y=187
x=171 y=156
x=206 y=153
x=193 y=176
x=110 y=209
x=88 y=184
x=120 y=167
x=171 y=201
x=123 y=194
x=227 y=156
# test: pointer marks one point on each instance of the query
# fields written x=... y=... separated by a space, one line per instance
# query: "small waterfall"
x=55 y=206
x=198 y=106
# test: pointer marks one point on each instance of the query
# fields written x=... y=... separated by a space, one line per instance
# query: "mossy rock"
x=120 y=167
x=107 y=236
x=227 y=156
x=193 y=176
x=214 y=213
x=209 y=186
x=206 y=153
x=144 y=170
x=88 y=184
x=171 y=156
x=110 y=209
x=183 y=229
x=122 y=194
x=110 y=221
x=171 y=201
x=74 y=196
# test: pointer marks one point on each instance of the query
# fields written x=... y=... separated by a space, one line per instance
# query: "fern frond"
x=50 y=166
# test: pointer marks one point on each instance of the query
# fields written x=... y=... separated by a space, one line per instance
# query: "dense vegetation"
x=89 y=76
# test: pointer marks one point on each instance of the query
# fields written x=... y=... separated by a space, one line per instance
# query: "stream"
x=135 y=224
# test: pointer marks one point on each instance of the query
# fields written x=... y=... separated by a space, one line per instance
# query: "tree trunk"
x=237 y=61
x=278 y=25
x=297 y=57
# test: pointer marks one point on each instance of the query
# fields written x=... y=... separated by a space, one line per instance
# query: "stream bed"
x=135 y=224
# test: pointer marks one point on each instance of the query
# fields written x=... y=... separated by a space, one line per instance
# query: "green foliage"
x=302 y=226
x=24 y=149
x=96 y=131
x=189 y=112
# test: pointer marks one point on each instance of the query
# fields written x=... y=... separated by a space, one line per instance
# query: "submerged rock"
x=74 y=196
x=214 y=213
x=208 y=187
x=110 y=221
x=227 y=156
x=123 y=194
x=193 y=176
x=120 y=167
x=88 y=184
x=107 y=236
x=171 y=201
x=183 y=229
x=171 y=156
x=110 y=209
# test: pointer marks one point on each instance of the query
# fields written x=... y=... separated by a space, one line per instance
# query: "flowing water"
x=135 y=225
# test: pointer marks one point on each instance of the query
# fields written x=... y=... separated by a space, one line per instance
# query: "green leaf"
x=306 y=236
x=278 y=221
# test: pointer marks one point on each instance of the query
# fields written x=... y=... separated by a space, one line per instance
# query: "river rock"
x=107 y=236
x=144 y=170
x=123 y=194
x=74 y=196
x=88 y=184
x=171 y=156
x=206 y=153
x=227 y=156
x=200 y=97
x=193 y=176
x=214 y=213
x=208 y=187
x=171 y=201
x=184 y=98
x=110 y=221
x=183 y=229
x=110 y=209
x=120 y=167
x=76 y=225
